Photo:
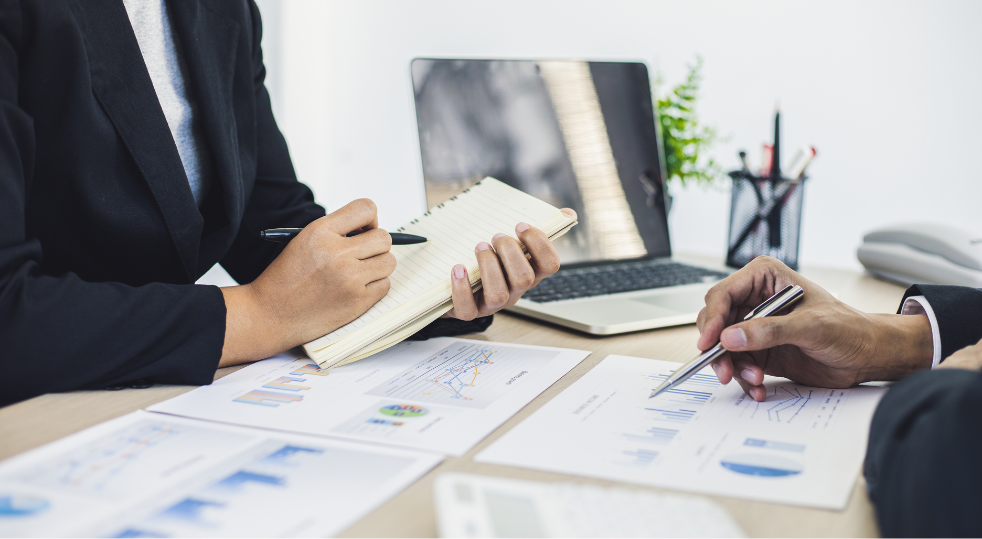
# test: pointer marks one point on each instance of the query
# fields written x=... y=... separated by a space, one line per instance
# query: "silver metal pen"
x=786 y=297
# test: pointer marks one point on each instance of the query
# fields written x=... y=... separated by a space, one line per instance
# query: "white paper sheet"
x=802 y=446
x=154 y=475
x=442 y=395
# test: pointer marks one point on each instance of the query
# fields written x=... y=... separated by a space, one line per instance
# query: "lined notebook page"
x=453 y=228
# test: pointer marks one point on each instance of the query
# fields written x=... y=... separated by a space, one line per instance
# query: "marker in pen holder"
x=765 y=218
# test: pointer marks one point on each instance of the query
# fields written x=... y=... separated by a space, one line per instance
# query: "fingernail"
x=748 y=375
x=715 y=369
x=483 y=246
x=458 y=272
x=734 y=338
x=521 y=227
x=497 y=236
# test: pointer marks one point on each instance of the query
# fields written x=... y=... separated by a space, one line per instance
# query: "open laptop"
x=576 y=134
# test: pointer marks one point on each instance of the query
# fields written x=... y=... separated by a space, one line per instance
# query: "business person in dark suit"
x=924 y=461
x=137 y=150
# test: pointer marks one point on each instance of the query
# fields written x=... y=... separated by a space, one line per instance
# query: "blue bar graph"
x=654 y=435
x=672 y=416
x=695 y=381
x=286 y=455
x=189 y=510
x=638 y=458
x=239 y=479
x=687 y=395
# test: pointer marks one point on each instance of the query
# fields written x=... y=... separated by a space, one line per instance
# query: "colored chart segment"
x=311 y=369
x=762 y=465
x=267 y=398
x=19 y=505
x=465 y=374
x=400 y=410
x=288 y=383
x=286 y=388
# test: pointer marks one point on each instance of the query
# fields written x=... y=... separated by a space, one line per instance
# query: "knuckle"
x=713 y=292
x=389 y=262
x=495 y=299
x=524 y=279
x=365 y=205
x=550 y=265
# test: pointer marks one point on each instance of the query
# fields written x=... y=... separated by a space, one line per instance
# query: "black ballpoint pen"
x=283 y=235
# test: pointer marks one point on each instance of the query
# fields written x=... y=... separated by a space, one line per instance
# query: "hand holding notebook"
x=421 y=287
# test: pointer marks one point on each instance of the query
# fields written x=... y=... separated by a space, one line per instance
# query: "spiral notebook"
x=421 y=288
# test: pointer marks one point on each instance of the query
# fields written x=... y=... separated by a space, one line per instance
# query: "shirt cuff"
x=920 y=305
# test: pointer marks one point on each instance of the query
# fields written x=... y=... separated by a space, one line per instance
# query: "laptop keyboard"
x=627 y=277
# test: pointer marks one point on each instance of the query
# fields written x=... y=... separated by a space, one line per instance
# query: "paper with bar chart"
x=152 y=475
x=800 y=446
x=442 y=395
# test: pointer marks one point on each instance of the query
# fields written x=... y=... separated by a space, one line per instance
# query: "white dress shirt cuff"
x=920 y=305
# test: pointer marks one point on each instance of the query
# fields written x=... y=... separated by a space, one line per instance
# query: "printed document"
x=442 y=395
x=801 y=446
x=152 y=475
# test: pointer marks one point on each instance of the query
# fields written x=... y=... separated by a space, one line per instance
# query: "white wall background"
x=890 y=92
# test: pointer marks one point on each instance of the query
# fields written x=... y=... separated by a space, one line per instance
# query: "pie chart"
x=20 y=505
x=762 y=465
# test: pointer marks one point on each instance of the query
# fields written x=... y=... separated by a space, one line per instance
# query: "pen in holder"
x=765 y=218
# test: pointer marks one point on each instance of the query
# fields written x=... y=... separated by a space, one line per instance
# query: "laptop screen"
x=575 y=134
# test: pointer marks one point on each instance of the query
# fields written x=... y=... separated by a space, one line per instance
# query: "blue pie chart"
x=20 y=505
x=762 y=465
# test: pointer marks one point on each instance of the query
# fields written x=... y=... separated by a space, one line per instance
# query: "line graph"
x=466 y=375
x=463 y=375
x=784 y=404
x=115 y=465
x=96 y=470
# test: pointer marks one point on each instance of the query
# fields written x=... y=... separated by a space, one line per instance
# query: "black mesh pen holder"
x=765 y=219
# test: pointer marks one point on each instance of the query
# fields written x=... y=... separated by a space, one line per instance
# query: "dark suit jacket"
x=100 y=238
x=924 y=462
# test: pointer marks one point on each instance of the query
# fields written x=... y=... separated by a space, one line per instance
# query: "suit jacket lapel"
x=209 y=42
x=122 y=85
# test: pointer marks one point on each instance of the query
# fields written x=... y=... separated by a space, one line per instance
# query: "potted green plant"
x=685 y=140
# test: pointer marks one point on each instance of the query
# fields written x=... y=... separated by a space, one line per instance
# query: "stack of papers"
x=153 y=474
x=421 y=287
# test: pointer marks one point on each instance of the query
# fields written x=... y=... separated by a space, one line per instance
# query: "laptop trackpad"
x=624 y=310
x=685 y=302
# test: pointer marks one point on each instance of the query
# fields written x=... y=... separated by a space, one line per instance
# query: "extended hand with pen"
x=820 y=341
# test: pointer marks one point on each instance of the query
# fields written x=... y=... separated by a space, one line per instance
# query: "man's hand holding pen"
x=820 y=341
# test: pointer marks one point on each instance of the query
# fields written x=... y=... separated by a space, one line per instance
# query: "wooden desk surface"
x=37 y=421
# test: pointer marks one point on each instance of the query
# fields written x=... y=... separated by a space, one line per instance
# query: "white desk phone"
x=924 y=253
